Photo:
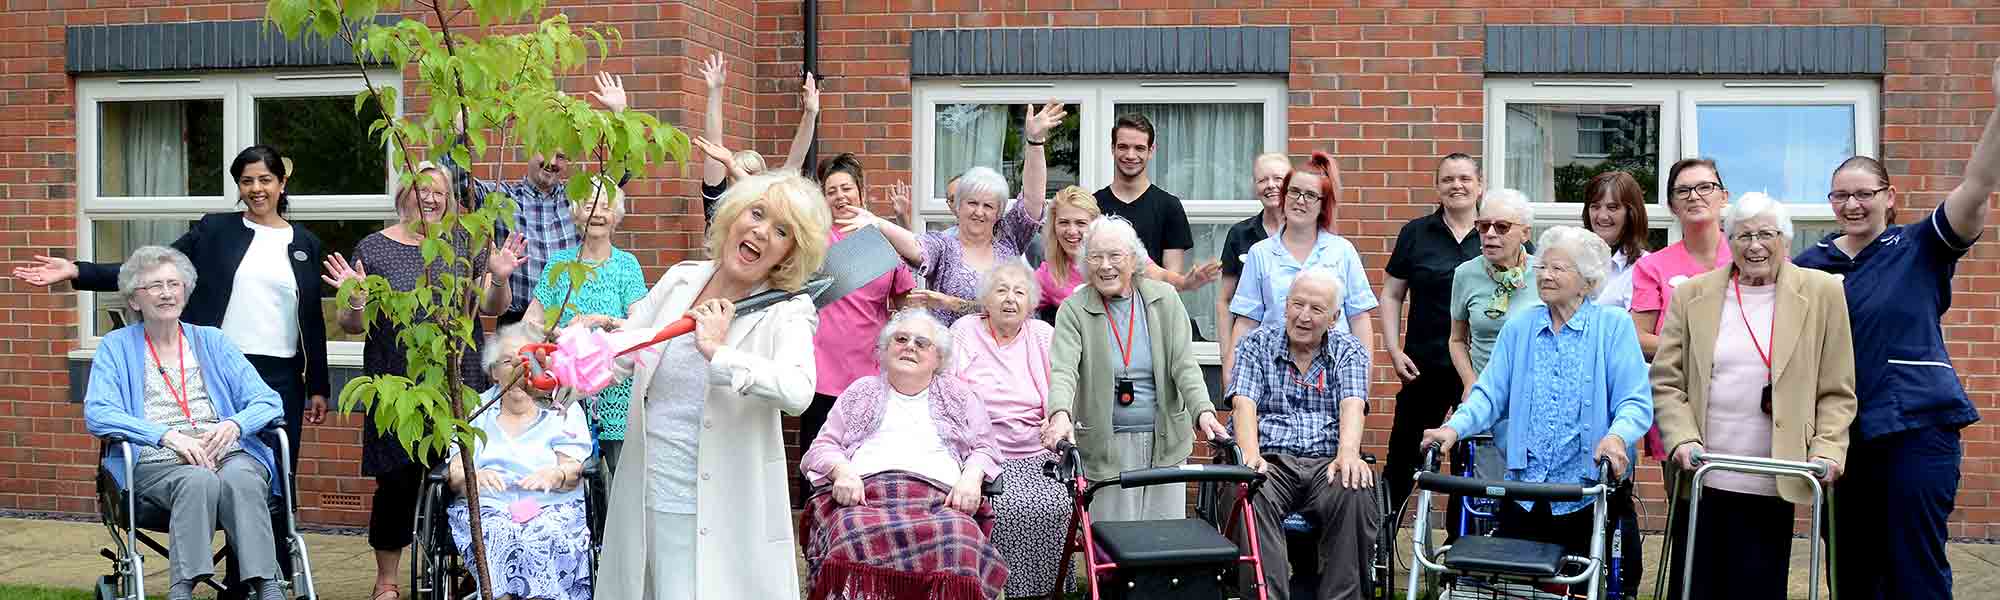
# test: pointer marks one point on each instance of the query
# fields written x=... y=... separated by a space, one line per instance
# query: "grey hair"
x=144 y=259
x=1326 y=276
x=1120 y=228
x=1753 y=205
x=525 y=330
x=1586 y=249
x=984 y=182
x=1018 y=269
x=1508 y=199
x=940 y=335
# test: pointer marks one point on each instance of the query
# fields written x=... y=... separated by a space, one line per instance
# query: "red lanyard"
x=180 y=394
x=1744 y=312
x=1131 y=327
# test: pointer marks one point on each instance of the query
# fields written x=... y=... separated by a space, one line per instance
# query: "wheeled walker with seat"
x=1488 y=566
x=1176 y=559
x=129 y=519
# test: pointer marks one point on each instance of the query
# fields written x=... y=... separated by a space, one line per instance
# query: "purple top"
x=961 y=421
x=944 y=257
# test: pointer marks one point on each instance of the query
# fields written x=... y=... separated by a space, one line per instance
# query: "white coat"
x=743 y=519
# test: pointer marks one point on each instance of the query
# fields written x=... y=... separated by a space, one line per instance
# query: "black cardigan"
x=216 y=245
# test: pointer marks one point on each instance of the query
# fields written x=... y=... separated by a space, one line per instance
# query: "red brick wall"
x=1386 y=85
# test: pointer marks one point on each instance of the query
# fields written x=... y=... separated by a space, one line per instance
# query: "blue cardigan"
x=1621 y=393
x=115 y=401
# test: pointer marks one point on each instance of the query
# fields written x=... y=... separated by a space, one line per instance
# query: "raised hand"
x=502 y=259
x=1041 y=122
x=714 y=150
x=713 y=72
x=46 y=271
x=811 y=94
x=899 y=201
x=338 y=272
x=858 y=218
x=610 y=92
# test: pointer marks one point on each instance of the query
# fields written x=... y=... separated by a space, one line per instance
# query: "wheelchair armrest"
x=440 y=473
x=995 y=487
x=593 y=467
x=277 y=422
x=114 y=438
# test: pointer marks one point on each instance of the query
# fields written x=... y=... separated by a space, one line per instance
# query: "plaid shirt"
x=541 y=217
x=1298 y=414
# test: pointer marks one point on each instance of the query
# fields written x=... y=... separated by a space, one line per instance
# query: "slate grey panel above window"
x=1100 y=51
x=1685 y=50
x=205 y=45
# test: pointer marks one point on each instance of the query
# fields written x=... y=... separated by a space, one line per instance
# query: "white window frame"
x=238 y=92
x=1678 y=100
x=1099 y=99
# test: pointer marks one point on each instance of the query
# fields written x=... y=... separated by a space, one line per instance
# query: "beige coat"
x=743 y=512
x=1812 y=394
x=1081 y=381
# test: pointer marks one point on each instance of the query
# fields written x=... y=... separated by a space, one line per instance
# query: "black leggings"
x=392 y=519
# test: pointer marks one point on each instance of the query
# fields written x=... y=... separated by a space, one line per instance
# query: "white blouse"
x=907 y=440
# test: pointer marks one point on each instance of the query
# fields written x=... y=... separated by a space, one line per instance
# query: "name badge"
x=299 y=255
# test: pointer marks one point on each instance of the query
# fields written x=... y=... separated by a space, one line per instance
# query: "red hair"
x=1328 y=171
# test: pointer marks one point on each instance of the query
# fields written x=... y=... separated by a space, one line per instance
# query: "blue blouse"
x=534 y=448
x=1557 y=451
x=1269 y=269
x=1607 y=382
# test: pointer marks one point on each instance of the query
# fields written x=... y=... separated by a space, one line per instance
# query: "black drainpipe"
x=811 y=11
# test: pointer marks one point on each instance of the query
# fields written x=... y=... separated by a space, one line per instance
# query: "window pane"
x=1554 y=149
x=328 y=143
x=113 y=240
x=969 y=135
x=159 y=148
x=1788 y=152
x=1208 y=238
x=1807 y=233
x=1203 y=151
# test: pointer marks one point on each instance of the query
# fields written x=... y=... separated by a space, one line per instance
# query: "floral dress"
x=944 y=263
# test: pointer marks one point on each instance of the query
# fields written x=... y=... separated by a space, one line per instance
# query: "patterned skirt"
x=547 y=557
x=1031 y=521
x=900 y=543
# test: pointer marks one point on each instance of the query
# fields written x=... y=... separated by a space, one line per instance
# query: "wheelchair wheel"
x=431 y=558
x=1381 y=569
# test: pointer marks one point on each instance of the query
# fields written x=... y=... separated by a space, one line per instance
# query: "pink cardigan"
x=960 y=415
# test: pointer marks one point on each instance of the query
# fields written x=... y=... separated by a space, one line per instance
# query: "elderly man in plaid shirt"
x=541 y=201
x=1299 y=389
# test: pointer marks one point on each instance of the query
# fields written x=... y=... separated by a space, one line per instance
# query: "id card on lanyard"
x=1124 y=390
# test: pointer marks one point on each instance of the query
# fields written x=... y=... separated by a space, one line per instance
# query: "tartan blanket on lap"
x=901 y=543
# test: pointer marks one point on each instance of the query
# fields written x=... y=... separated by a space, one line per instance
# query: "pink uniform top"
x=1654 y=278
x=1054 y=294
x=844 y=345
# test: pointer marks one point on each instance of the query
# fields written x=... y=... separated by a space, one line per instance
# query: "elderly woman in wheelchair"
x=528 y=470
x=1567 y=388
x=176 y=402
x=901 y=468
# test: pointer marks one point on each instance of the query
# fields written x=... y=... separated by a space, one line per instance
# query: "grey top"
x=1139 y=416
x=673 y=427
x=162 y=407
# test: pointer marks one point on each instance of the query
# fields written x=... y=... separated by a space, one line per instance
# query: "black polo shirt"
x=1241 y=237
x=1157 y=216
x=1425 y=256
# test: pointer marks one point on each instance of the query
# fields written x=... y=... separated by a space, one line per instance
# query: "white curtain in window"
x=1203 y=151
x=1531 y=152
x=968 y=135
x=156 y=164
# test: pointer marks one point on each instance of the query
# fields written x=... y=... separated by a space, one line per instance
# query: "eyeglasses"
x=424 y=194
x=1499 y=227
x=1299 y=194
x=1557 y=268
x=156 y=287
x=1761 y=236
x=1839 y=198
x=904 y=339
x=1110 y=258
x=1703 y=189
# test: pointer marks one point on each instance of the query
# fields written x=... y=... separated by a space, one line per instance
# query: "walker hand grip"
x=1186 y=474
x=1730 y=462
x=1507 y=490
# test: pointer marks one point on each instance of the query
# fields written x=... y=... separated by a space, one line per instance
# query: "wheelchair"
x=1490 y=567
x=1302 y=535
x=437 y=572
x=1183 y=559
x=128 y=521
x=807 y=524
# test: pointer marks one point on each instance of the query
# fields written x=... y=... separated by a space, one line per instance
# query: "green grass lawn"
x=29 y=592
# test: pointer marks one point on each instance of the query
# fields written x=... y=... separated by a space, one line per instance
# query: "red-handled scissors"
x=535 y=358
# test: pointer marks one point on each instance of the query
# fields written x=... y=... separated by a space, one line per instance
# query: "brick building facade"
x=1544 y=91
